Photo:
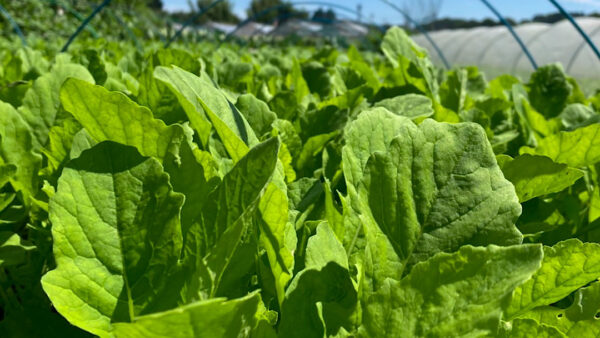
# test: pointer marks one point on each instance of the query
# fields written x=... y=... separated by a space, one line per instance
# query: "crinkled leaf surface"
x=433 y=187
x=451 y=295
x=410 y=105
x=115 y=225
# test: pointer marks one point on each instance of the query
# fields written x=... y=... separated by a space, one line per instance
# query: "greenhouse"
x=495 y=50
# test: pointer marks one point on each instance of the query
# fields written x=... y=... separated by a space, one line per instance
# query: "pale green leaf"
x=112 y=116
x=17 y=148
x=42 y=101
x=578 y=320
x=535 y=176
x=115 y=225
x=578 y=148
x=205 y=104
x=204 y=319
x=410 y=105
x=567 y=266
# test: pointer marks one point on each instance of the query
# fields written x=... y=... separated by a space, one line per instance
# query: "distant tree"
x=285 y=11
x=222 y=12
x=322 y=15
x=155 y=4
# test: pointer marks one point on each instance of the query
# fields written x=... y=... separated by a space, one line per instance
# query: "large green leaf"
x=210 y=318
x=535 y=176
x=42 y=101
x=451 y=295
x=114 y=117
x=567 y=266
x=117 y=238
x=578 y=148
x=433 y=187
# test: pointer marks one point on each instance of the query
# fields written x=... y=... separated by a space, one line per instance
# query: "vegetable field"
x=285 y=190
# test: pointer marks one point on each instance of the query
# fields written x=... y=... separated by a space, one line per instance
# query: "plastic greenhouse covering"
x=495 y=50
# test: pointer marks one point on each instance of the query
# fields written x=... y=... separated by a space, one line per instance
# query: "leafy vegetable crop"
x=294 y=192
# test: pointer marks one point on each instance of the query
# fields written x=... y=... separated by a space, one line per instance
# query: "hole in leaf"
x=559 y=316
x=597 y=315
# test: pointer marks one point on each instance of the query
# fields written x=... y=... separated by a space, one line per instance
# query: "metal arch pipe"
x=190 y=21
x=76 y=14
x=422 y=31
x=579 y=49
x=528 y=42
x=276 y=7
x=14 y=24
x=512 y=32
x=577 y=27
x=83 y=24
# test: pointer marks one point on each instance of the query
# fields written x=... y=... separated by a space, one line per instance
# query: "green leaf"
x=112 y=116
x=453 y=91
x=116 y=237
x=578 y=320
x=396 y=43
x=42 y=101
x=549 y=90
x=273 y=207
x=451 y=295
x=256 y=112
x=13 y=250
x=321 y=293
x=202 y=103
x=7 y=171
x=577 y=115
x=226 y=215
x=525 y=328
x=578 y=148
x=409 y=105
x=535 y=176
x=567 y=266
x=216 y=317
x=17 y=148
x=433 y=187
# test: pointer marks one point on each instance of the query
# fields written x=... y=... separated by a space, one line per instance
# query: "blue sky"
x=381 y=13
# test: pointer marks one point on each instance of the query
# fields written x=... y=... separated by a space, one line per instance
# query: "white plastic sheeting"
x=494 y=50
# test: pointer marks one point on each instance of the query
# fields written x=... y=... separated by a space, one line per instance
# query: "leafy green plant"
x=241 y=192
